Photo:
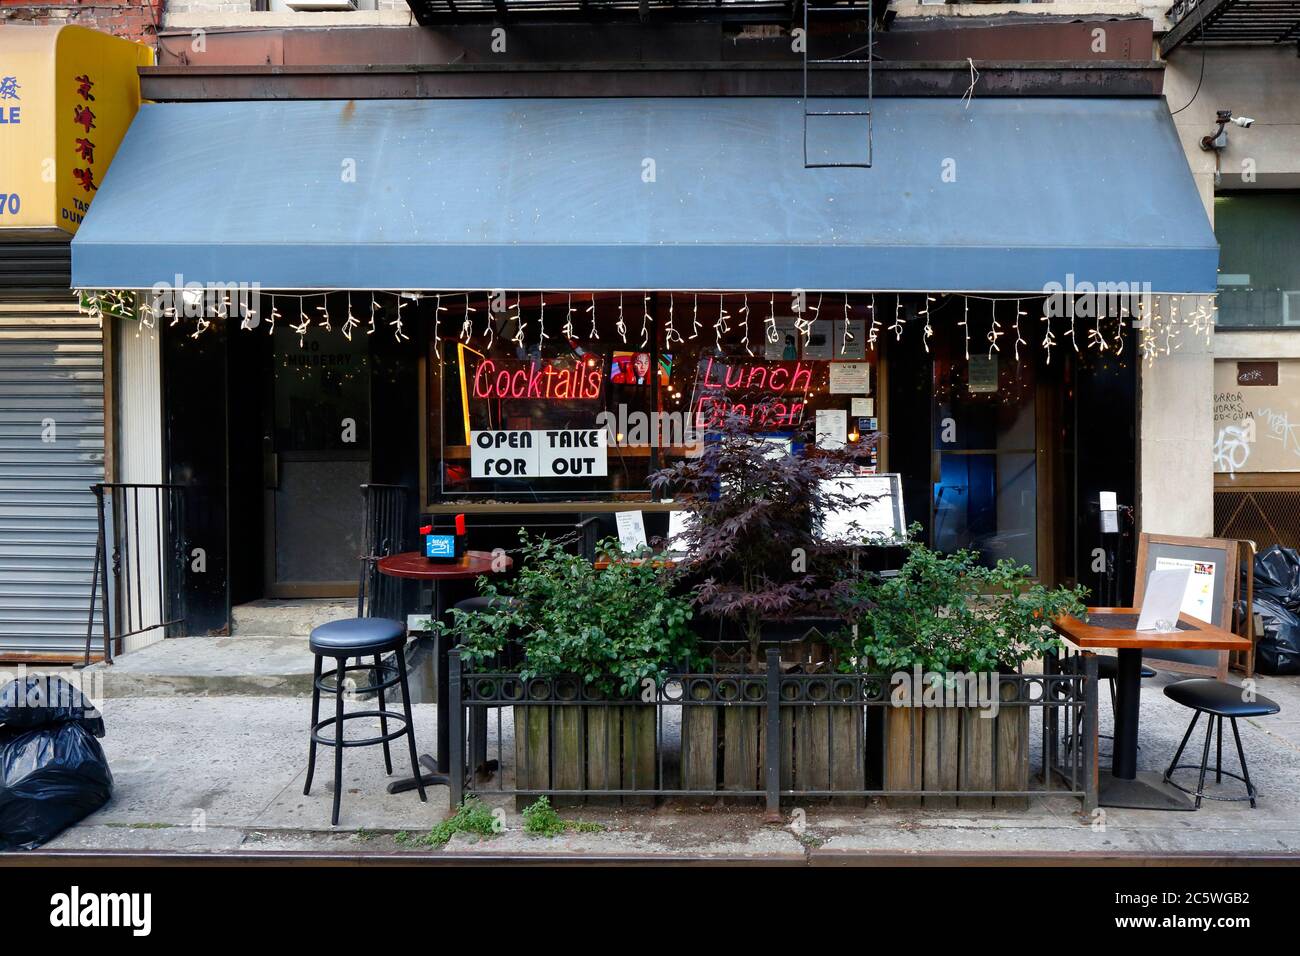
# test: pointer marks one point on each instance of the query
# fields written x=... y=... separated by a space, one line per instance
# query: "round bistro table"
x=415 y=566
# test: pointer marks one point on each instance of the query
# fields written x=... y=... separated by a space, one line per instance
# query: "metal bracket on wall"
x=847 y=58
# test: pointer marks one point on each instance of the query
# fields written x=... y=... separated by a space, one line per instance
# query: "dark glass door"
x=316 y=444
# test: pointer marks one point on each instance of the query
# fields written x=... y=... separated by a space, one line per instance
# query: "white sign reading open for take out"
x=539 y=453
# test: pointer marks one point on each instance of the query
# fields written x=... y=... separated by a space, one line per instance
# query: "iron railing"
x=768 y=735
x=138 y=581
x=385 y=530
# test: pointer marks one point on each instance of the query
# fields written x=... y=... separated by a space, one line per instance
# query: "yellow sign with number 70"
x=67 y=96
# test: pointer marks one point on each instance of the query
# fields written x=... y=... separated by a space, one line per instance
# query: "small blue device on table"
x=445 y=547
x=441 y=547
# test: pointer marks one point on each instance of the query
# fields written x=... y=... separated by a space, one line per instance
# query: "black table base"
x=431 y=779
x=1145 y=791
x=1124 y=786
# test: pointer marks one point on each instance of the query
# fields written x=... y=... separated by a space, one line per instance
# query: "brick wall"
x=130 y=19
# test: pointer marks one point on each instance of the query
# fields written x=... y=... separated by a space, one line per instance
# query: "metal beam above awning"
x=1232 y=21
x=1005 y=195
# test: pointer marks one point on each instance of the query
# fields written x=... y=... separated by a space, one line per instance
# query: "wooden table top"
x=413 y=564
x=1193 y=634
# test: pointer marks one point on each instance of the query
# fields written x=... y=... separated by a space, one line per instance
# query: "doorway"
x=316 y=438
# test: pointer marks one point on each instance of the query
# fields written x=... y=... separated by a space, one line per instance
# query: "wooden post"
x=812 y=748
x=903 y=753
x=699 y=742
x=532 y=751
x=979 y=736
x=566 y=754
x=603 y=752
x=1012 y=747
x=847 y=757
x=942 y=743
x=742 y=749
x=639 y=751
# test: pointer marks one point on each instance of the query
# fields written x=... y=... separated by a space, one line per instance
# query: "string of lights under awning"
x=1085 y=318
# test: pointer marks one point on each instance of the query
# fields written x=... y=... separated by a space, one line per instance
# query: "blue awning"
x=1006 y=195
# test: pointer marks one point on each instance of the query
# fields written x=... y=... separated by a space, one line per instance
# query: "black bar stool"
x=359 y=637
x=1220 y=700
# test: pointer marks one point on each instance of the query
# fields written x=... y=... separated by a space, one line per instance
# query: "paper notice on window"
x=1161 y=601
x=679 y=523
x=1198 y=598
x=982 y=373
x=862 y=407
x=785 y=347
x=853 y=345
x=631 y=530
x=819 y=342
x=850 y=378
x=832 y=427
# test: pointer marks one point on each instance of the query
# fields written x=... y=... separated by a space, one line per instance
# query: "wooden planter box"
x=585 y=747
x=954 y=748
x=725 y=747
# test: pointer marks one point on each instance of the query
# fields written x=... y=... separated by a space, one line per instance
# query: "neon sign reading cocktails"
x=768 y=393
x=538 y=380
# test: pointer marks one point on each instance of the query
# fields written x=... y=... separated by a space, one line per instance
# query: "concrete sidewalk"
x=214 y=774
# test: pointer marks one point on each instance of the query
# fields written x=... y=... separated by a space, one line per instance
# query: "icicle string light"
x=847 y=337
x=1019 y=340
x=645 y=320
x=995 y=330
x=965 y=325
x=567 y=331
x=873 y=333
x=899 y=321
x=744 y=310
x=350 y=322
x=928 y=329
x=1162 y=323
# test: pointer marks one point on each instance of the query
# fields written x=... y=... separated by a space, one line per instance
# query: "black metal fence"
x=385 y=530
x=138 y=581
x=774 y=735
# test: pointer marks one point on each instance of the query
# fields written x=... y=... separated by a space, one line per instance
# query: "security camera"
x=1219 y=138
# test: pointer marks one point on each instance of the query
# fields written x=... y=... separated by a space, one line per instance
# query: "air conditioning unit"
x=307 y=6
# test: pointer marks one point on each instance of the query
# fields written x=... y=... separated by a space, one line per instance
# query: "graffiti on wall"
x=1256 y=419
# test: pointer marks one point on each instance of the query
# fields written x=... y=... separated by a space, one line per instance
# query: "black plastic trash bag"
x=53 y=771
x=1277 y=650
x=1277 y=576
x=44 y=700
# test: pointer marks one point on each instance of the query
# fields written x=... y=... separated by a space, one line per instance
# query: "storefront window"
x=1259 y=272
x=985 y=485
x=649 y=374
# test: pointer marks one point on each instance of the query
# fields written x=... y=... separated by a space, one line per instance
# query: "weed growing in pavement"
x=472 y=816
x=540 y=819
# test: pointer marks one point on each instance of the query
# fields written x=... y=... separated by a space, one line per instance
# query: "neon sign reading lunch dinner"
x=748 y=380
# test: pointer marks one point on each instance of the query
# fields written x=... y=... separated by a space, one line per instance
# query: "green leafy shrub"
x=613 y=627
x=947 y=612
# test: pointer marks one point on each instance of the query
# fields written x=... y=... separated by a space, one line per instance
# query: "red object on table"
x=413 y=564
x=460 y=524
